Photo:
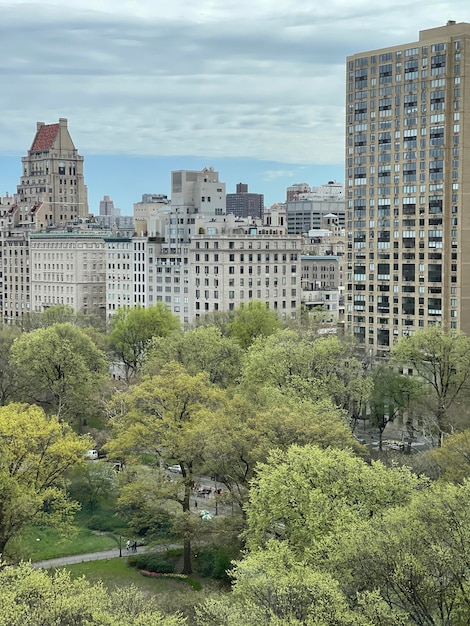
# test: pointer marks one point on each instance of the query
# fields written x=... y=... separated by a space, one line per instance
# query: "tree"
x=305 y=496
x=309 y=366
x=252 y=425
x=36 y=453
x=442 y=361
x=392 y=394
x=453 y=457
x=253 y=320
x=63 y=369
x=94 y=482
x=38 y=598
x=11 y=386
x=132 y=329
x=416 y=555
x=273 y=586
x=163 y=417
x=203 y=349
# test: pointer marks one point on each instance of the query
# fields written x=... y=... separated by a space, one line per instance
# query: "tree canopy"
x=305 y=495
x=252 y=425
x=132 y=329
x=164 y=417
x=442 y=361
x=63 y=369
x=308 y=366
x=36 y=453
x=203 y=349
x=251 y=321
x=39 y=598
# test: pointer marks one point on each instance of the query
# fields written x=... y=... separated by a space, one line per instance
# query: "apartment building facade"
x=51 y=193
x=68 y=268
x=244 y=203
x=306 y=210
x=408 y=187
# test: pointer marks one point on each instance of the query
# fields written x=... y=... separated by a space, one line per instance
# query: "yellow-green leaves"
x=36 y=451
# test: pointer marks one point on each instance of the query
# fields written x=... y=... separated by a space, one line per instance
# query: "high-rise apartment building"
x=51 y=194
x=52 y=189
x=107 y=206
x=408 y=187
x=308 y=209
x=244 y=203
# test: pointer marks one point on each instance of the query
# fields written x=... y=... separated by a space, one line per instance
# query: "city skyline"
x=254 y=90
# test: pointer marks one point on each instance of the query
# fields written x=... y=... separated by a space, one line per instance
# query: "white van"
x=91 y=455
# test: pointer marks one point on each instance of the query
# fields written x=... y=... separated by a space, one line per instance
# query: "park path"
x=80 y=558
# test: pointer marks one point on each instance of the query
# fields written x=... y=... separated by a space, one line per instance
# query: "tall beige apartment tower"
x=52 y=189
x=51 y=193
x=408 y=187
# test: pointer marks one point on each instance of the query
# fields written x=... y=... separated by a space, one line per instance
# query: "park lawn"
x=41 y=543
x=116 y=573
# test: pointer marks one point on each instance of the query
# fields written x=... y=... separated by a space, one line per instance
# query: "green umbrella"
x=205 y=515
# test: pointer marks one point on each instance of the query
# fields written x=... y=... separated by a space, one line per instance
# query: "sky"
x=253 y=88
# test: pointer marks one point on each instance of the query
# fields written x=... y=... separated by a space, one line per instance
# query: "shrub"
x=152 y=563
x=213 y=562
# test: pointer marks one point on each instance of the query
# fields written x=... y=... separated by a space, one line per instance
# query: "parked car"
x=395 y=445
x=91 y=455
x=176 y=469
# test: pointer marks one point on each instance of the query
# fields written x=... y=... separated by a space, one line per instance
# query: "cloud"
x=255 y=79
x=269 y=175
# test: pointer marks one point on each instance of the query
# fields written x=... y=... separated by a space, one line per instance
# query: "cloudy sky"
x=254 y=88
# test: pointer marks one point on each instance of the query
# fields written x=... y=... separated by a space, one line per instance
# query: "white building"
x=68 y=268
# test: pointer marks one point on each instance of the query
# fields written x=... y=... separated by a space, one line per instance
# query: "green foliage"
x=62 y=368
x=417 y=555
x=152 y=562
x=36 y=452
x=307 y=366
x=36 y=598
x=94 y=483
x=392 y=394
x=442 y=361
x=251 y=321
x=453 y=458
x=164 y=416
x=305 y=496
x=215 y=561
x=203 y=349
x=273 y=587
x=132 y=329
x=236 y=439
x=11 y=386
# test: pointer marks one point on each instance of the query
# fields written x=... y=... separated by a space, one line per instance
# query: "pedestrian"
x=128 y=545
x=195 y=504
x=134 y=546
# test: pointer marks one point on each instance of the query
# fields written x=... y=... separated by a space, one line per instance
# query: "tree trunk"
x=187 y=568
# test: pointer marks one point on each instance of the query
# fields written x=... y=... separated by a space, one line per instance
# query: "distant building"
x=68 y=268
x=107 y=206
x=52 y=189
x=150 y=204
x=294 y=190
x=308 y=209
x=51 y=194
x=321 y=284
x=245 y=204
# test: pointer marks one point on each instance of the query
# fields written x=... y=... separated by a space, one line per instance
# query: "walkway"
x=80 y=558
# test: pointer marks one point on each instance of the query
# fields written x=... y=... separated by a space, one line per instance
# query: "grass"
x=51 y=545
x=116 y=573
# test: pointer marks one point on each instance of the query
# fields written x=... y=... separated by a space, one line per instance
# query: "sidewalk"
x=80 y=558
